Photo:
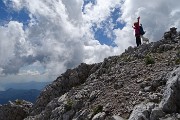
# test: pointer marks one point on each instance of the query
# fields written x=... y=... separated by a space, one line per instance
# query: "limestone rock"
x=156 y=113
x=171 y=95
x=116 y=117
x=99 y=116
x=142 y=111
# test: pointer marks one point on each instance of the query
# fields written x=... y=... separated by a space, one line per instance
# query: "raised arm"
x=138 y=20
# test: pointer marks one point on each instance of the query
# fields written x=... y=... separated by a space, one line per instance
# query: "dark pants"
x=138 y=40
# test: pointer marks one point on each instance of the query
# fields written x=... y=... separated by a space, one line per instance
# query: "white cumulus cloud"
x=59 y=34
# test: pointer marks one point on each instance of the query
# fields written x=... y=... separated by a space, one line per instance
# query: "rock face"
x=169 y=103
x=71 y=78
x=143 y=83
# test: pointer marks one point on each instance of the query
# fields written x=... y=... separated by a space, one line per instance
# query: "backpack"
x=141 y=30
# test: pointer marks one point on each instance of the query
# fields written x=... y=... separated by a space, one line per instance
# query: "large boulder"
x=142 y=111
x=156 y=113
x=170 y=102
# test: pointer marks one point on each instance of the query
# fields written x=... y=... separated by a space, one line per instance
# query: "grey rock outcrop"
x=142 y=111
x=171 y=102
x=99 y=116
x=171 y=34
x=61 y=85
x=168 y=105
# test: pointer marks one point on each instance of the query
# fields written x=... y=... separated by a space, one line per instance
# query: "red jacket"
x=137 y=28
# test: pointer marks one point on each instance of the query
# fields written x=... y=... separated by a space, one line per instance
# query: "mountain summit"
x=143 y=83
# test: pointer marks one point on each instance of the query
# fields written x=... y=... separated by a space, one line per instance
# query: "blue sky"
x=8 y=14
x=87 y=2
x=100 y=33
x=40 y=39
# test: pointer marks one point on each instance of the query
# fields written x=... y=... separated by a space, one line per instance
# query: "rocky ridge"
x=143 y=83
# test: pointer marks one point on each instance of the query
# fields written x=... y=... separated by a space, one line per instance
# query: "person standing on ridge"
x=137 y=32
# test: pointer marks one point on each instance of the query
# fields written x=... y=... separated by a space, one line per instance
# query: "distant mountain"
x=26 y=85
x=13 y=94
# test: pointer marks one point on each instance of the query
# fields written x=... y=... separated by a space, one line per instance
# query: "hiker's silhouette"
x=137 y=32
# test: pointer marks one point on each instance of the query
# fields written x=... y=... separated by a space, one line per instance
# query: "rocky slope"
x=143 y=83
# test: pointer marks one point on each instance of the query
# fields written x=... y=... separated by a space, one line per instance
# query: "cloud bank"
x=61 y=33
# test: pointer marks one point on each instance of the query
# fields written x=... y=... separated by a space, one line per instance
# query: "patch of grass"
x=126 y=58
x=177 y=62
x=69 y=104
x=97 y=109
x=178 y=54
x=149 y=60
x=19 y=102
